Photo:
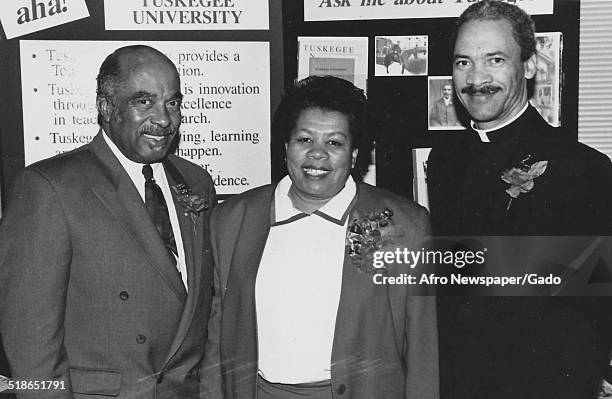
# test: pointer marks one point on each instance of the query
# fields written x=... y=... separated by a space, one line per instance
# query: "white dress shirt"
x=134 y=170
x=298 y=285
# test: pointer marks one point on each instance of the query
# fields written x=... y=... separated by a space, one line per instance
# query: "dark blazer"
x=521 y=347
x=385 y=344
x=88 y=294
x=467 y=194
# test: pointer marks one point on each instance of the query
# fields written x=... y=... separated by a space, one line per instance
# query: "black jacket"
x=521 y=347
x=467 y=195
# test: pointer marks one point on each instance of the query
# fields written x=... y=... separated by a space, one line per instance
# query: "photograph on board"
x=401 y=55
x=546 y=96
x=342 y=57
x=442 y=114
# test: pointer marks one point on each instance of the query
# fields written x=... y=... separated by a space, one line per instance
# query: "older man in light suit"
x=105 y=271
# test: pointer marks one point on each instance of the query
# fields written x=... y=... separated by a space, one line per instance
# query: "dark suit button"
x=124 y=295
x=160 y=378
x=341 y=388
x=141 y=339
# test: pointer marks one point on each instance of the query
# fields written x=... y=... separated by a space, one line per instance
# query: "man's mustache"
x=157 y=131
x=484 y=89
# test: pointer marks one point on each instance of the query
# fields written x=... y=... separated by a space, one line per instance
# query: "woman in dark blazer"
x=303 y=307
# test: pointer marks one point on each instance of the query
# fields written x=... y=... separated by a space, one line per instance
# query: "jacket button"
x=341 y=388
x=124 y=295
x=141 y=339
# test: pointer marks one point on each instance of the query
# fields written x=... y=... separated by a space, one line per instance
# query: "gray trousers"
x=271 y=390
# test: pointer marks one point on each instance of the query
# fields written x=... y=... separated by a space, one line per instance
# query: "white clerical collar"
x=133 y=169
x=483 y=132
x=334 y=210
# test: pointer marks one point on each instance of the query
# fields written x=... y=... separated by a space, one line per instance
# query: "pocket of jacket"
x=93 y=381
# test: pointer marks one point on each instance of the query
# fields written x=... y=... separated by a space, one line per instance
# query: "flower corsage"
x=192 y=204
x=369 y=234
x=521 y=177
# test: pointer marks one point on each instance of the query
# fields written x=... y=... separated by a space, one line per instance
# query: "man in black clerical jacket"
x=513 y=174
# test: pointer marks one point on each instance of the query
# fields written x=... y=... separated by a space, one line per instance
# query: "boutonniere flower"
x=192 y=204
x=605 y=390
x=368 y=234
x=521 y=177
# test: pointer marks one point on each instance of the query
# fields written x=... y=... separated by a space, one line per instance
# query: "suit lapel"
x=240 y=290
x=251 y=239
x=118 y=193
x=191 y=233
x=193 y=243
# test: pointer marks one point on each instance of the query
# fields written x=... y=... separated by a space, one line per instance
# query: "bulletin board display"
x=409 y=44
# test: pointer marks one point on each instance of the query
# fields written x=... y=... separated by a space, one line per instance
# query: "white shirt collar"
x=483 y=132
x=336 y=208
x=133 y=169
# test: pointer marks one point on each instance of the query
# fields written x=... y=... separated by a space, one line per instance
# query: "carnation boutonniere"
x=521 y=177
x=192 y=204
x=369 y=234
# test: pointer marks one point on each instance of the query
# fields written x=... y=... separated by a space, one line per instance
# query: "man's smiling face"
x=489 y=76
x=144 y=114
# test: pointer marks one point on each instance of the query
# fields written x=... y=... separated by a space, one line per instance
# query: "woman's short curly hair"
x=328 y=93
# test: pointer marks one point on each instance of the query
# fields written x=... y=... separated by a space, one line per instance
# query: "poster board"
x=334 y=10
x=225 y=112
x=343 y=57
x=20 y=17
x=186 y=15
